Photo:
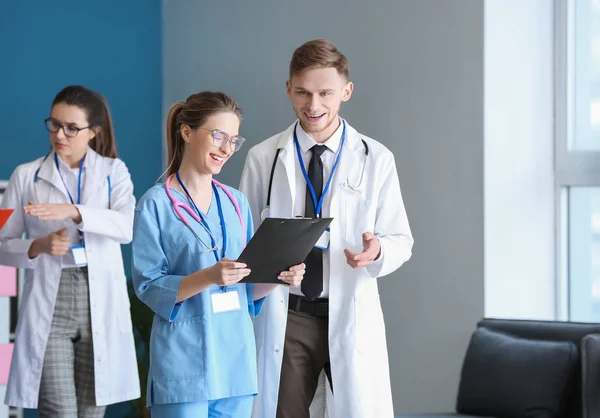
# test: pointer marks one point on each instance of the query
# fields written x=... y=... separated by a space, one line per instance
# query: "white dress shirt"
x=328 y=159
x=71 y=179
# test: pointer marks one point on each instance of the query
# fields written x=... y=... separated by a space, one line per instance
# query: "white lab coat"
x=115 y=365
x=357 y=343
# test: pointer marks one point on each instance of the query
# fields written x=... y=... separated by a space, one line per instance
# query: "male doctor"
x=333 y=324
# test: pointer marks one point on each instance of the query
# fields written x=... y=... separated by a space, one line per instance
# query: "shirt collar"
x=333 y=143
x=64 y=168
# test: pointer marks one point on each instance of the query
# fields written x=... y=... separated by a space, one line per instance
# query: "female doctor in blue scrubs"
x=187 y=232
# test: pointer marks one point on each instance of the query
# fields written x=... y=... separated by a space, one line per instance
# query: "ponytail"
x=175 y=143
x=104 y=142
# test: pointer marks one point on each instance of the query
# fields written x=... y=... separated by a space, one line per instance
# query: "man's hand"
x=371 y=252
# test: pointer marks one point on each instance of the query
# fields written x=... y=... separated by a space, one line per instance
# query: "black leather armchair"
x=583 y=400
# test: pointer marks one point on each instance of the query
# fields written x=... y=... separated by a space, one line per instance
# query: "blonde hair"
x=193 y=112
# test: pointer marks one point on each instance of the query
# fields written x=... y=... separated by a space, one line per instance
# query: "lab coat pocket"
x=355 y=221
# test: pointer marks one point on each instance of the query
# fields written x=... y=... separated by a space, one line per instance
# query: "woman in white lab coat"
x=74 y=351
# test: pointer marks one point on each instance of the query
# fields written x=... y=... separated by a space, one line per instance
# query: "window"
x=578 y=157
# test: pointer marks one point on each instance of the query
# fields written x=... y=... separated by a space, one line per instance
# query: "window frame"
x=573 y=167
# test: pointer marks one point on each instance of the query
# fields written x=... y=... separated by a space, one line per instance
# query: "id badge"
x=323 y=242
x=225 y=300
x=79 y=255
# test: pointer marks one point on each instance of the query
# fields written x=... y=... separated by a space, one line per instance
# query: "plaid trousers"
x=67 y=386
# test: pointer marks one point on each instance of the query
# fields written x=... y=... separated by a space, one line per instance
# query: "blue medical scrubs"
x=195 y=355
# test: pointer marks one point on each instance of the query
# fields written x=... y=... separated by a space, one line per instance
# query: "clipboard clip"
x=314 y=220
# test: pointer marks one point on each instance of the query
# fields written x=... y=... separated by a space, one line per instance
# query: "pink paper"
x=8 y=281
x=6 y=351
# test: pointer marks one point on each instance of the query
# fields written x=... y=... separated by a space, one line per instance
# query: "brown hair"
x=193 y=112
x=319 y=53
x=96 y=108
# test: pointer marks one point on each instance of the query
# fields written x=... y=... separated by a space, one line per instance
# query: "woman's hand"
x=227 y=272
x=53 y=211
x=294 y=275
x=56 y=244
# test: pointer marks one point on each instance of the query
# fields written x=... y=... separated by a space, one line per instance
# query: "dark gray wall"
x=418 y=71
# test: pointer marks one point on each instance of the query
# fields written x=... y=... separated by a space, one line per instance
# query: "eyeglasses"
x=220 y=138
x=70 y=131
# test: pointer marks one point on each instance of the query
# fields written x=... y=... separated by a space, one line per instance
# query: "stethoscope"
x=198 y=217
x=345 y=184
x=36 y=178
x=362 y=172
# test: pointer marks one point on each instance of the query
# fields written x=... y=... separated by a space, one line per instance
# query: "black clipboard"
x=278 y=244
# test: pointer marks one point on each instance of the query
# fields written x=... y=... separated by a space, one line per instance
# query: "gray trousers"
x=67 y=385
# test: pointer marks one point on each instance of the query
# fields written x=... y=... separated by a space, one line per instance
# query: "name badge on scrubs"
x=79 y=255
x=225 y=300
x=323 y=242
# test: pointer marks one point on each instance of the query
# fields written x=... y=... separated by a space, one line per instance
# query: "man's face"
x=316 y=96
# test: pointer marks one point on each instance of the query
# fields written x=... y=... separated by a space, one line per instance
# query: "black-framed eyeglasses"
x=70 y=131
x=220 y=138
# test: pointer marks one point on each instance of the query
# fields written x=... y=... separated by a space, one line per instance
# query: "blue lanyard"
x=67 y=189
x=318 y=205
x=65 y=184
x=37 y=172
x=221 y=217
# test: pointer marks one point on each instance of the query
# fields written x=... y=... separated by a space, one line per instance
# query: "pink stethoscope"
x=178 y=205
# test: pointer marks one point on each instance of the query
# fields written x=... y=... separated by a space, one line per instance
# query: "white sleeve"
x=14 y=248
x=116 y=222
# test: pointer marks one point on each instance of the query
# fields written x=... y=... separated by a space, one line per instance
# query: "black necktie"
x=312 y=284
